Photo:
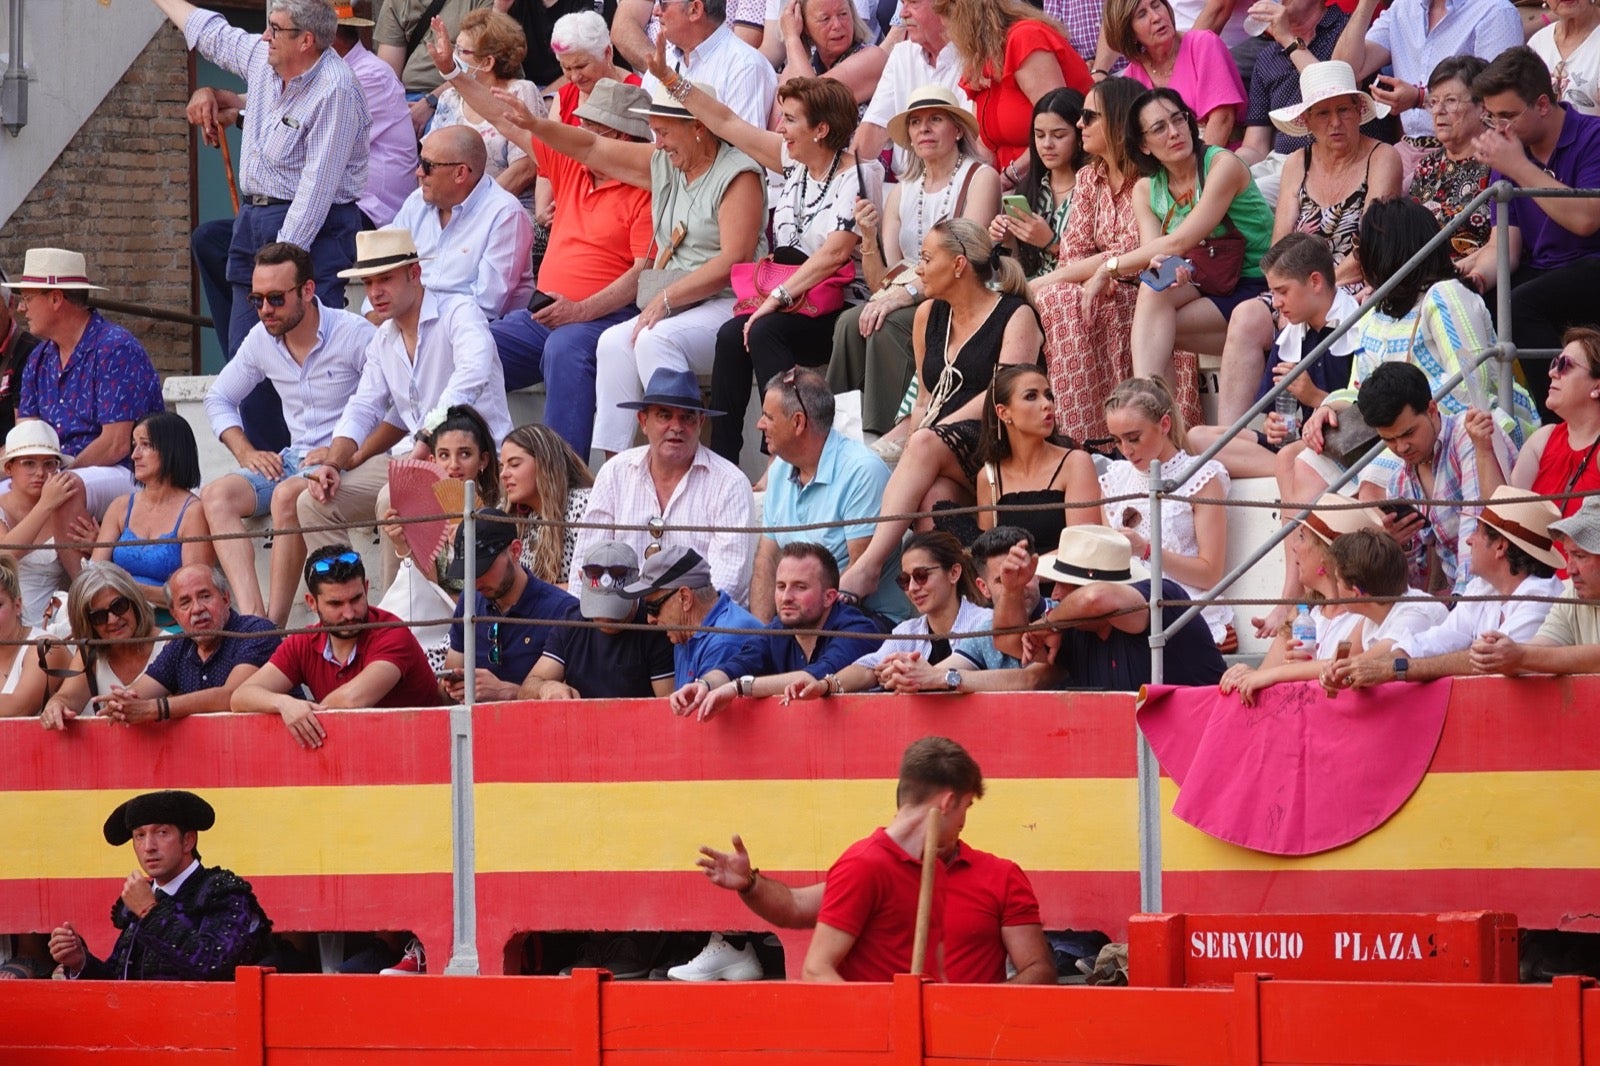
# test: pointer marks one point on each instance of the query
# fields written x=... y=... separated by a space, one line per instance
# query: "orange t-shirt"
x=598 y=233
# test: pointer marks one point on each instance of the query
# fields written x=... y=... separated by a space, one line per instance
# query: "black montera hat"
x=171 y=807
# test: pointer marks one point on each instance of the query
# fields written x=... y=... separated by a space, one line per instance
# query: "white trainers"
x=720 y=961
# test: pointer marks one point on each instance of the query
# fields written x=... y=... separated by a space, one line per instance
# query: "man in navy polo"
x=198 y=673
x=505 y=651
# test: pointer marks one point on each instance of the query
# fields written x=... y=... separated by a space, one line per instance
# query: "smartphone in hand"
x=539 y=301
x=1016 y=206
x=1162 y=277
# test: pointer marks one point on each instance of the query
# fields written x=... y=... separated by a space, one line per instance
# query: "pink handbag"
x=754 y=282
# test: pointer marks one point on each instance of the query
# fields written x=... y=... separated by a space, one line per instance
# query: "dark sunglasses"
x=917 y=575
x=658 y=529
x=429 y=165
x=343 y=560
x=119 y=607
x=1088 y=116
x=1563 y=363
x=653 y=608
x=596 y=576
x=276 y=299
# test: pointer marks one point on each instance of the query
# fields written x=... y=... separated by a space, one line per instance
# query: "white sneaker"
x=720 y=961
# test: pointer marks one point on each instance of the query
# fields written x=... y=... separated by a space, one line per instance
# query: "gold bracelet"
x=755 y=875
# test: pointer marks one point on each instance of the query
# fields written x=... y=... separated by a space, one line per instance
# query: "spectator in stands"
x=814 y=230
x=1410 y=39
x=89 y=379
x=1011 y=54
x=978 y=315
x=827 y=38
x=925 y=57
x=392 y=143
x=104 y=604
x=1571 y=50
x=489 y=48
x=1088 y=333
x=462 y=447
x=701 y=47
x=872 y=345
x=1310 y=549
x=16 y=348
x=1299 y=33
x=24 y=685
x=199 y=673
x=166 y=465
x=1147 y=425
x=1568 y=641
x=38 y=492
x=674 y=481
x=432 y=352
x=1449 y=176
x=402 y=27
x=581 y=42
x=1188 y=191
x=302 y=187
x=604 y=662
x=1556 y=459
x=701 y=234
x=314 y=356
x=546 y=485
x=474 y=236
x=1194 y=64
x=1512 y=556
x=988 y=554
x=1431 y=457
x=675 y=585
x=868 y=912
x=1023 y=449
x=1098 y=632
x=1534 y=142
x=817 y=475
x=505 y=652
x=1055 y=155
x=1370 y=563
x=177 y=920
x=807 y=595
x=599 y=247
x=340 y=667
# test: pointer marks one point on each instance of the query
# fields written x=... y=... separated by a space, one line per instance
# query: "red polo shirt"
x=983 y=895
x=872 y=895
x=305 y=658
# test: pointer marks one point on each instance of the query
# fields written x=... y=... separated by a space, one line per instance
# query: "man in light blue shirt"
x=475 y=238
x=818 y=475
x=675 y=585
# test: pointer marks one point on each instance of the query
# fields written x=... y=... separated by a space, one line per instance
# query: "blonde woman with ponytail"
x=1146 y=423
x=978 y=315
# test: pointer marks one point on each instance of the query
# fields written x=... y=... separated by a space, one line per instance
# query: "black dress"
x=968 y=376
x=1044 y=523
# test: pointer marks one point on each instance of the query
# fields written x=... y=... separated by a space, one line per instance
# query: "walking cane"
x=227 y=165
x=930 y=859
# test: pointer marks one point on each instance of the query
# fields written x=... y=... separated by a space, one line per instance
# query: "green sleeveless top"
x=1250 y=213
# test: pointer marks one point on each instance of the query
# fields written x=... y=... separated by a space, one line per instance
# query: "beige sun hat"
x=1582 y=526
x=1091 y=553
x=33 y=437
x=1524 y=521
x=932 y=98
x=1335 y=515
x=615 y=105
x=380 y=250
x=1319 y=82
x=53 y=268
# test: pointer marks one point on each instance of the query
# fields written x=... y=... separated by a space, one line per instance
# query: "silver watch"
x=745 y=685
x=952 y=679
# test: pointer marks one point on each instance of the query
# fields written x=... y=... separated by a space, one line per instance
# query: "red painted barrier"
x=1188 y=950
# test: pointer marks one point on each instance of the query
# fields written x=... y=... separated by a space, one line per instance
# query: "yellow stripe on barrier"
x=1539 y=819
x=348 y=829
x=1075 y=824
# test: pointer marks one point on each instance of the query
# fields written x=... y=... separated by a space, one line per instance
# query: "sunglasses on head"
x=342 y=561
x=606 y=576
x=917 y=575
x=276 y=299
x=789 y=380
x=119 y=607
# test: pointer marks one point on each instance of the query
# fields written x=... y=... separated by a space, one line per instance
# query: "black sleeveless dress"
x=1045 y=524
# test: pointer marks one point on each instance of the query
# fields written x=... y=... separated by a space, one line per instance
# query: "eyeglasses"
x=276 y=299
x=494 y=643
x=1499 y=120
x=343 y=562
x=653 y=608
x=1563 y=363
x=789 y=380
x=917 y=575
x=607 y=577
x=273 y=32
x=429 y=165
x=119 y=607
x=1165 y=126
x=1088 y=117
x=658 y=529
x=1447 y=104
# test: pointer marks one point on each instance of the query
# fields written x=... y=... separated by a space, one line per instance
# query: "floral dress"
x=1445 y=186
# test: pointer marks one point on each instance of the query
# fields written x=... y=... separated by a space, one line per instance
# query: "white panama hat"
x=1319 y=82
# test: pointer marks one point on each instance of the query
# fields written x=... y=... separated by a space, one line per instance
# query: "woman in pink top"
x=1196 y=65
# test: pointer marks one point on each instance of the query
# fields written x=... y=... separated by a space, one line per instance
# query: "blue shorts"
x=263 y=486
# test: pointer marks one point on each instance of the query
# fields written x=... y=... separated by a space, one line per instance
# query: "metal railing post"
x=1148 y=769
x=463 y=814
x=1502 y=294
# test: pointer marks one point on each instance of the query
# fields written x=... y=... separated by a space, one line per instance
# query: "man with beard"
x=341 y=667
x=313 y=355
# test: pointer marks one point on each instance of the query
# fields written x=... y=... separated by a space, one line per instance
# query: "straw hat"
x=1091 y=553
x=348 y=17
x=53 y=268
x=33 y=437
x=1524 y=521
x=932 y=98
x=614 y=104
x=1319 y=82
x=1330 y=524
x=381 y=250
x=664 y=105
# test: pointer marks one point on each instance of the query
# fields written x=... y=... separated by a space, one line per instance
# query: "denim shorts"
x=263 y=486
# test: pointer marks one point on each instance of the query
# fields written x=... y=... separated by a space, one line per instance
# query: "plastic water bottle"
x=1288 y=409
x=1304 y=630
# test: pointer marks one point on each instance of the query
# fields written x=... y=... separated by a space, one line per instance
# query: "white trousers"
x=686 y=341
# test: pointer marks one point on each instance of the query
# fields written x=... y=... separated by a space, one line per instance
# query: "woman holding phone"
x=1035 y=214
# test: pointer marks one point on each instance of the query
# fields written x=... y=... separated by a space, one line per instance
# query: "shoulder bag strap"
x=421 y=28
x=966 y=183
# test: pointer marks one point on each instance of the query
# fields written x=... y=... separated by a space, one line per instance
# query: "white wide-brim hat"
x=1335 y=515
x=664 y=105
x=1319 y=82
x=33 y=437
x=1524 y=521
x=53 y=268
x=381 y=250
x=1091 y=553
x=931 y=98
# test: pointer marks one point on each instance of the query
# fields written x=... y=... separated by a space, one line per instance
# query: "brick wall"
x=119 y=193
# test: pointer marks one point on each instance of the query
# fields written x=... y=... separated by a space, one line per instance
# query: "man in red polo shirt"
x=339 y=667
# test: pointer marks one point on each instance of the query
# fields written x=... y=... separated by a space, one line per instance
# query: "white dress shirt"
x=483 y=252
x=455 y=363
x=392 y=143
x=742 y=77
x=1517 y=619
x=313 y=395
x=1417 y=612
x=713 y=493
x=907 y=71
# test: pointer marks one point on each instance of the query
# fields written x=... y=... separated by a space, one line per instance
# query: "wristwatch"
x=1400 y=668
x=952 y=679
x=745 y=685
x=911 y=288
x=1293 y=46
x=1111 y=266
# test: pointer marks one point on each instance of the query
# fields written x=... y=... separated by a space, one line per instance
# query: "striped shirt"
x=305 y=140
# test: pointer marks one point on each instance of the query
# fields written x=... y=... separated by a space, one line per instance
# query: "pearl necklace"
x=947 y=202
